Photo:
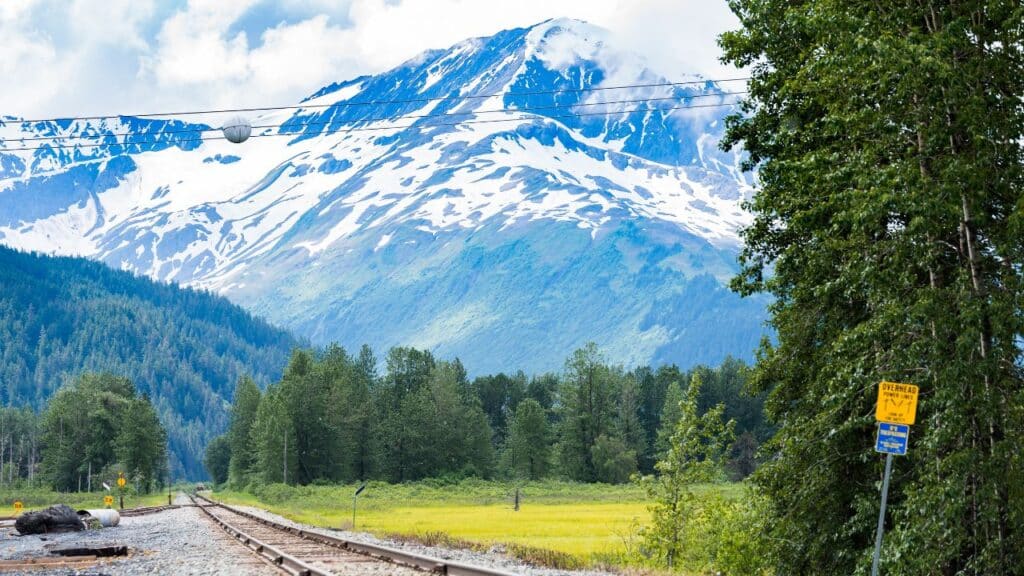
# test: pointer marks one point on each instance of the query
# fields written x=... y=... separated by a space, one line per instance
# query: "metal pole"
x=881 y=515
x=354 y=513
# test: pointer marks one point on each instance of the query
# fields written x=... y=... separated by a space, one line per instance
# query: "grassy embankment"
x=36 y=498
x=559 y=523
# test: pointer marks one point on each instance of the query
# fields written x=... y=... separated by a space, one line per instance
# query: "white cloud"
x=193 y=46
x=130 y=56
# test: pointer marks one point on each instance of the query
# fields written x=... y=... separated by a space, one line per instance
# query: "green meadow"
x=561 y=524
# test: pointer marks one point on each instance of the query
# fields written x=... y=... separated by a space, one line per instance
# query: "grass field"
x=558 y=523
x=36 y=498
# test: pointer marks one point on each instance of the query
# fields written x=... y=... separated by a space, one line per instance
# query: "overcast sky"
x=80 y=57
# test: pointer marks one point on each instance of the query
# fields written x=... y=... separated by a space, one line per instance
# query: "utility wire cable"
x=380 y=102
x=377 y=128
x=374 y=119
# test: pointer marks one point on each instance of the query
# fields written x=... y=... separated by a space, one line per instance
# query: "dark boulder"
x=59 y=518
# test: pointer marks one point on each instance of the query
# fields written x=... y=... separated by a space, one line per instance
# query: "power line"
x=379 y=119
x=378 y=128
x=380 y=102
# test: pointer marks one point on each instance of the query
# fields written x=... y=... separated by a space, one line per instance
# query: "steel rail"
x=278 y=558
x=421 y=562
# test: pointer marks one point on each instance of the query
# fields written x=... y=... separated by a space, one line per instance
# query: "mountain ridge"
x=367 y=202
x=64 y=316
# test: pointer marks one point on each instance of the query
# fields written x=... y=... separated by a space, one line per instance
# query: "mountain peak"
x=563 y=41
x=497 y=191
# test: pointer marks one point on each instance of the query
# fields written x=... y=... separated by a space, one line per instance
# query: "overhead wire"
x=398 y=101
x=377 y=128
x=376 y=119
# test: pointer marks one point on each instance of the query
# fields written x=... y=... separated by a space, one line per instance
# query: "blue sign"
x=892 y=438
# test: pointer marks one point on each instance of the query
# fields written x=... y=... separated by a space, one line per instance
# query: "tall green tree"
x=81 y=426
x=528 y=452
x=696 y=455
x=217 y=459
x=587 y=396
x=95 y=424
x=142 y=444
x=243 y=413
x=889 y=227
x=671 y=412
x=274 y=440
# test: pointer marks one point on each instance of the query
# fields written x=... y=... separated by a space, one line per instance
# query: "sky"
x=105 y=57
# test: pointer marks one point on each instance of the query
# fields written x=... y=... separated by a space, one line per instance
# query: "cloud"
x=131 y=56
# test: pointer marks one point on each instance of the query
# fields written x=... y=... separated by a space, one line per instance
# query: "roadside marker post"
x=120 y=485
x=895 y=412
x=18 y=507
x=108 y=500
x=354 y=496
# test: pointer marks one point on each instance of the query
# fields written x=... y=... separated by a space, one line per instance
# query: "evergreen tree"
x=629 y=429
x=142 y=445
x=243 y=413
x=613 y=462
x=274 y=440
x=588 y=398
x=217 y=459
x=888 y=227
x=670 y=415
x=528 y=453
x=64 y=317
x=544 y=389
x=365 y=417
x=98 y=423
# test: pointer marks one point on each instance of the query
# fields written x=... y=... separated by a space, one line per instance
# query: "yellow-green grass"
x=37 y=498
x=593 y=524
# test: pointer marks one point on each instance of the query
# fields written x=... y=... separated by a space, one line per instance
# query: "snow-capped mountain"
x=498 y=201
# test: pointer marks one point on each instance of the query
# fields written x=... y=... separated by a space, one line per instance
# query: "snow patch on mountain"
x=448 y=175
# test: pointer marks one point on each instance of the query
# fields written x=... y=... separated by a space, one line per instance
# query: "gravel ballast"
x=180 y=541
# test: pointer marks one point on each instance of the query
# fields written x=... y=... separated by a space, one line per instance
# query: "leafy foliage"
x=528 y=453
x=217 y=459
x=99 y=425
x=889 y=226
x=332 y=419
x=679 y=521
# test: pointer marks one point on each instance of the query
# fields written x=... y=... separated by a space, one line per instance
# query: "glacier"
x=455 y=203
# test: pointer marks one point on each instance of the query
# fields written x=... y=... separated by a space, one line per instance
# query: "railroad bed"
x=8 y=521
x=304 y=553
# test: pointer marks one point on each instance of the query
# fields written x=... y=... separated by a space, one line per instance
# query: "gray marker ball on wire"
x=237 y=130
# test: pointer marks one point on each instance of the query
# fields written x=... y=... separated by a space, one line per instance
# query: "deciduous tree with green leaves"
x=889 y=227
x=697 y=449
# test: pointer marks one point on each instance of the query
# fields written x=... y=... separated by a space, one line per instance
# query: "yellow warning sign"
x=18 y=506
x=121 y=482
x=108 y=500
x=897 y=403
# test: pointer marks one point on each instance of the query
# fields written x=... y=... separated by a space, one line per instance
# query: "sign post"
x=895 y=412
x=108 y=500
x=358 y=491
x=18 y=507
x=120 y=485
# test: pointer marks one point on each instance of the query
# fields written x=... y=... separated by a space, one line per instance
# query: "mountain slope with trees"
x=184 y=349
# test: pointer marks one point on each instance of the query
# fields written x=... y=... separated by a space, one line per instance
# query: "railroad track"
x=304 y=553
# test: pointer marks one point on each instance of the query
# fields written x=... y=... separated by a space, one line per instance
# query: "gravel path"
x=491 y=559
x=180 y=541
